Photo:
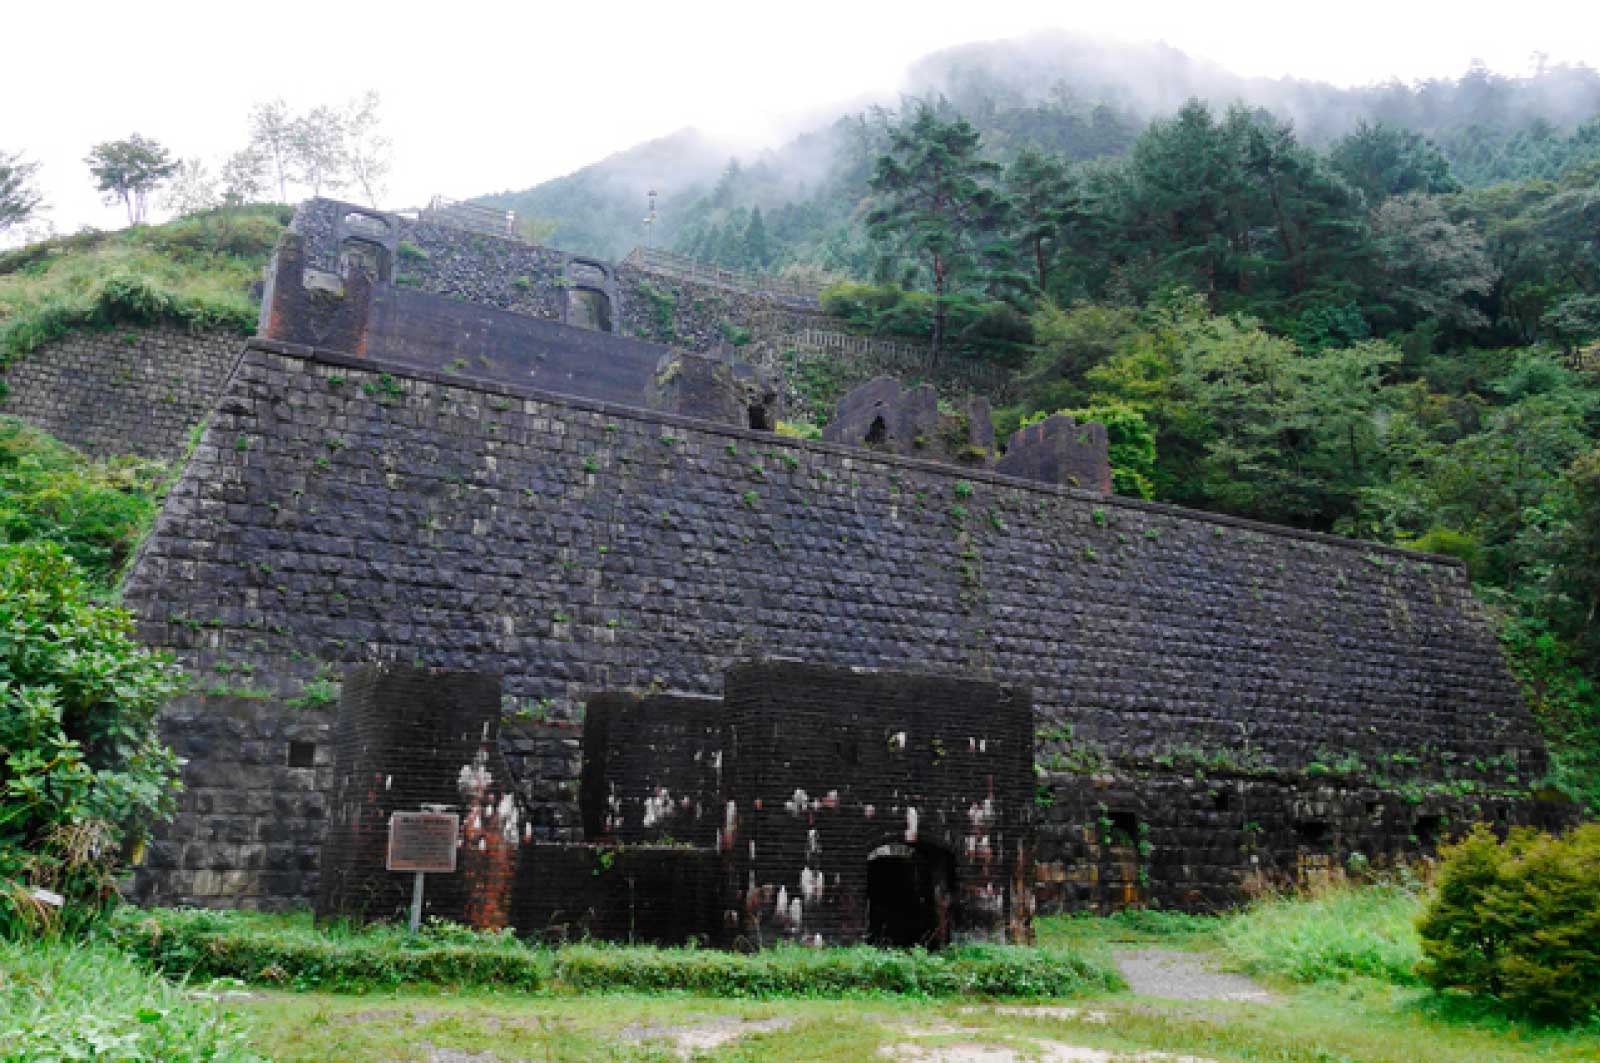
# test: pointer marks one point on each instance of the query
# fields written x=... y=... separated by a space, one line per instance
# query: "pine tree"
x=935 y=201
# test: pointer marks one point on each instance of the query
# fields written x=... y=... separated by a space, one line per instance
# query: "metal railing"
x=684 y=268
x=491 y=221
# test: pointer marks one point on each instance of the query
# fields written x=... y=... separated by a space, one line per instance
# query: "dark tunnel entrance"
x=910 y=896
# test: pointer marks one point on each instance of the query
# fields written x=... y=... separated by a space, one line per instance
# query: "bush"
x=1519 y=920
x=291 y=951
x=1332 y=936
x=84 y=770
x=89 y=1002
x=96 y=510
x=989 y=328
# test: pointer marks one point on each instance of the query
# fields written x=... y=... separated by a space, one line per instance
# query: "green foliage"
x=292 y=952
x=1330 y=936
x=85 y=771
x=129 y=170
x=936 y=203
x=1519 y=920
x=96 y=510
x=196 y=272
x=61 y=1001
x=1131 y=444
x=987 y=328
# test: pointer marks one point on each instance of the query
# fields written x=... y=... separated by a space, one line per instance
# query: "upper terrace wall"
x=133 y=389
x=340 y=511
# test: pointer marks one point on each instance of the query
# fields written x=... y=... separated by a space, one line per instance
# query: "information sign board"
x=423 y=841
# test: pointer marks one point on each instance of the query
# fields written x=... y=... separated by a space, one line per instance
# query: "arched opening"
x=910 y=896
x=878 y=433
x=588 y=308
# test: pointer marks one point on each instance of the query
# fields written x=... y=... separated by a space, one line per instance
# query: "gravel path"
x=1184 y=976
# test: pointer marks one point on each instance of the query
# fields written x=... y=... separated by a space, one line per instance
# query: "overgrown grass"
x=292 y=952
x=96 y=509
x=61 y=1001
x=196 y=271
x=1336 y=934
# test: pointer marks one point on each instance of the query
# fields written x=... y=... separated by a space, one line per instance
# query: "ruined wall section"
x=337 y=514
x=133 y=389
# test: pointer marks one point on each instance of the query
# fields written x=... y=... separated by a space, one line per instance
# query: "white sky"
x=485 y=97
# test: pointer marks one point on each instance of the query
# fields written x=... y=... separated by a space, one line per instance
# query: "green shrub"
x=1519 y=920
x=62 y=1001
x=1339 y=933
x=84 y=770
x=990 y=328
x=96 y=510
x=291 y=951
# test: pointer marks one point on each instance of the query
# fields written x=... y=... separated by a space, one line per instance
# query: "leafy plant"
x=85 y=772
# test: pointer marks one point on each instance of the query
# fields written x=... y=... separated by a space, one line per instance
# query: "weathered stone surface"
x=340 y=512
x=133 y=389
x=1059 y=450
x=884 y=416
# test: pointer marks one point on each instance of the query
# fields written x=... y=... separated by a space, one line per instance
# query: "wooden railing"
x=681 y=267
x=892 y=355
x=471 y=216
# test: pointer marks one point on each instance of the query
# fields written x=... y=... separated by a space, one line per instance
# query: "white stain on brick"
x=798 y=803
x=911 y=824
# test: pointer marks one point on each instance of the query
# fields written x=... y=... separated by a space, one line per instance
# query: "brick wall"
x=823 y=766
x=332 y=515
x=652 y=769
x=407 y=739
x=132 y=389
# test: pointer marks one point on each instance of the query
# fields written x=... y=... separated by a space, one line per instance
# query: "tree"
x=1041 y=206
x=1429 y=265
x=19 y=198
x=368 y=153
x=192 y=189
x=757 y=251
x=243 y=177
x=84 y=772
x=127 y=171
x=935 y=201
x=272 y=139
x=318 y=144
x=1383 y=161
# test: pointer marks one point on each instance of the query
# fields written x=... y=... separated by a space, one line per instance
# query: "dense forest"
x=1373 y=312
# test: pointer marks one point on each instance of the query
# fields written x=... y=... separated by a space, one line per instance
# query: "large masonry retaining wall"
x=133 y=389
x=336 y=513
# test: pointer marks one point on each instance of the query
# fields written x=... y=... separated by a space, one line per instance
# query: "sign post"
x=422 y=842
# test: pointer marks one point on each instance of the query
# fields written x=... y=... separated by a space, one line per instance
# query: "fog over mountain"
x=1068 y=93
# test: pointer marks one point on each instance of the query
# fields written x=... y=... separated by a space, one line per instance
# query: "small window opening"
x=1222 y=800
x=1427 y=830
x=1374 y=810
x=302 y=754
x=1500 y=815
x=878 y=434
x=1312 y=832
x=358 y=224
x=761 y=418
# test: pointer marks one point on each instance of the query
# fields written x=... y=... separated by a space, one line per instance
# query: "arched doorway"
x=910 y=896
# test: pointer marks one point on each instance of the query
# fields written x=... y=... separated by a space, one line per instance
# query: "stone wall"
x=132 y=389
x=338 y=513
x=792 y=343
